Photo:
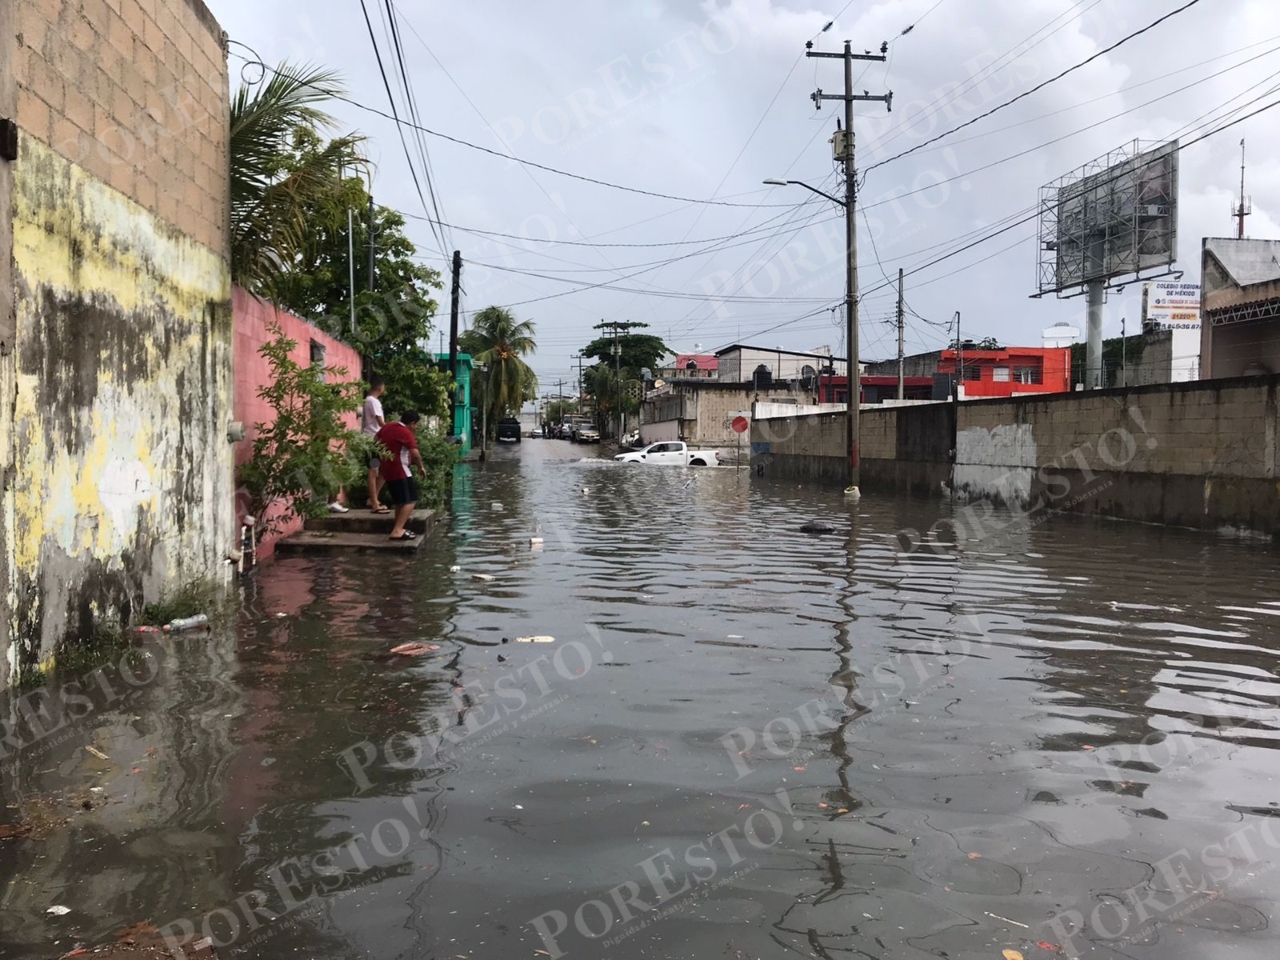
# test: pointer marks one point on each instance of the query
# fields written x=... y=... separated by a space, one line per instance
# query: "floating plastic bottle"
x=188 y=623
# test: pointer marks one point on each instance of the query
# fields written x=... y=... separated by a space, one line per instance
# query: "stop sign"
x=740 y=424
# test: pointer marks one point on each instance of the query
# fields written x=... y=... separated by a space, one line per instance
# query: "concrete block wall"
x=115 y=390
x=253 y=320
x=135 y=93
x=1199 y=454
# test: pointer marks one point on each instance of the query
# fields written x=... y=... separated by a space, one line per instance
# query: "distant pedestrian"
x=397 y=469
x=371 y=421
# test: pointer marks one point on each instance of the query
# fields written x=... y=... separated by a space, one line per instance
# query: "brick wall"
x=135 y=92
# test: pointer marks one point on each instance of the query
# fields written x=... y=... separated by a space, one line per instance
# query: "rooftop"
x=1247 y=261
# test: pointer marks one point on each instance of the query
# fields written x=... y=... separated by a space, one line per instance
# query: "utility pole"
x=372 y=245
x=454 y=295
x=1245 y=207
x=959 y=357
x=618 y=327
x=900 y=325
x=578 y=357
x=1124 y=362
x=844 y=151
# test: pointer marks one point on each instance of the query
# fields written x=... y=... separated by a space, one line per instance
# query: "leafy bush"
x=307 y=453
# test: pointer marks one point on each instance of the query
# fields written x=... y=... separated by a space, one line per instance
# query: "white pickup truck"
x=671 y=453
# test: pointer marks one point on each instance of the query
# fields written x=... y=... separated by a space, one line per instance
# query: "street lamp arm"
x=801 y=183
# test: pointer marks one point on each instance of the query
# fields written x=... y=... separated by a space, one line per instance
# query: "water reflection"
x=961 y=737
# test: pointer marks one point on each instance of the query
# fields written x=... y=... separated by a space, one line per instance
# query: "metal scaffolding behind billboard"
x=1112 y=218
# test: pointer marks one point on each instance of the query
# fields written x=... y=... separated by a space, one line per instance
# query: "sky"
x=700 y=102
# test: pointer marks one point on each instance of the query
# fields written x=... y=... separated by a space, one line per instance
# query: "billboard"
x=1114 y=217
x=1170 y=305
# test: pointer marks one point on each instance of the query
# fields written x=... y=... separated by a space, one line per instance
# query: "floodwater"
x=1057 y=738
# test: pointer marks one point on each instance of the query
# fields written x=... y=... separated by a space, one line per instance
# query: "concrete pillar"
x=1093 y=368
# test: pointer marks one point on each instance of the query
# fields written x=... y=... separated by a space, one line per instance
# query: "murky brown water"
x=744 y=742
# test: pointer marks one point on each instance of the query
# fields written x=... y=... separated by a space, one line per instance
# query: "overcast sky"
x=704 y=100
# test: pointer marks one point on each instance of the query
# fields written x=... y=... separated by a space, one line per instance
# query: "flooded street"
x=1056 y=738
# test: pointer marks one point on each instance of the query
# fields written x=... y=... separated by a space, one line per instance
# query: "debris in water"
x=1047 y=946
x=539 y=639
x=186 y=623
x=535 y=541
x=97 y=753
x=455 y=568
x=996 y=916
x=1011 y=955
x=414 y=649
x=502 y=658
x=975 y=856
x=58 y=910
x=497 y=506
x=484 y=577
x=818 y=526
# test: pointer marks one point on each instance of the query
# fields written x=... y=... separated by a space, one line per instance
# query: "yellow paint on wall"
x=74 y=237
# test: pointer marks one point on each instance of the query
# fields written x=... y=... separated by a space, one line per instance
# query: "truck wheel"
x=697 y=463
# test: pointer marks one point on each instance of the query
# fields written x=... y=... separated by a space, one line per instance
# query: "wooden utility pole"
x=454 y=295
x=844 y=151
x=900 y=326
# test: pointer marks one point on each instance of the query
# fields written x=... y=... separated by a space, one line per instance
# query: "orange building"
x=1009 y=371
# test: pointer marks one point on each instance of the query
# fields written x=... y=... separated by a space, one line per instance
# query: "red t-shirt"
x=399 y=440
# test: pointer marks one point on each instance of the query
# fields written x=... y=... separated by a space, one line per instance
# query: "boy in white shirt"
x=371 y=421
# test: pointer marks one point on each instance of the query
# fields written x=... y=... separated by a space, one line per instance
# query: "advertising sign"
x=1171 y=305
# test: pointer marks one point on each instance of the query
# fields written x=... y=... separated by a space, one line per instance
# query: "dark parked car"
x=509 y=430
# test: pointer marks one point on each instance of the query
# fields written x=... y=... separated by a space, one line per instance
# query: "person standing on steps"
x=371 y=421
x=397 y=469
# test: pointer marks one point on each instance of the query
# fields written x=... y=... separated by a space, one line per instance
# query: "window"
x=1000 y=374
x=1027 y=375
x=972 y=372
x=317 y=357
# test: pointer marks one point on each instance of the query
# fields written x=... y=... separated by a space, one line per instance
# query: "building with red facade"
x=1008 y=371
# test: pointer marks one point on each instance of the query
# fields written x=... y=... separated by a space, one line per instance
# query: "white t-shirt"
x=372 y=414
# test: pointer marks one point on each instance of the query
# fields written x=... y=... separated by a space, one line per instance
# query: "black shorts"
x=403 y=491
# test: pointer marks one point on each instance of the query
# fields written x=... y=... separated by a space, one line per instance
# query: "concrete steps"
x=357 y=532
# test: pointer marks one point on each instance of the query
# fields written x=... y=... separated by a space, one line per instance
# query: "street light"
x=850 y=321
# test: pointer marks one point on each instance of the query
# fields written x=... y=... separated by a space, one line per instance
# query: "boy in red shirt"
x=397 y=472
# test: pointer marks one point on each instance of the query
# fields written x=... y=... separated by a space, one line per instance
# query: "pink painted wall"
x=251 y=322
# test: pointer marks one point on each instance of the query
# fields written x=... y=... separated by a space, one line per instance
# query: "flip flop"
x=379 y=510
x=407 y=535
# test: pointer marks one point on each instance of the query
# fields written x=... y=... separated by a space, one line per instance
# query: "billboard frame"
x=1119 y=211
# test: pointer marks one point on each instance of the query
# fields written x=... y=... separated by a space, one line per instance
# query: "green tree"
x=394 y=308
x=500 y=342
x=637 y=351
x=274 y=197
x=307 y=452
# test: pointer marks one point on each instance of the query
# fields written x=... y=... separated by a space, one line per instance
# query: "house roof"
x=1248 y=262
x=705 y=361
x=790 y=353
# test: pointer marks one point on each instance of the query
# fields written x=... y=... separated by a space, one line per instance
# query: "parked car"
x=588 y=434
x=671 y=453
x=509 y=430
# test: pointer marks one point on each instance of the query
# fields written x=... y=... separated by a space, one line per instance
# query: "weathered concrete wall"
x=252 y=320
x=117 y=396
x=8 y=108
x=1200 y=454
x=904 y=449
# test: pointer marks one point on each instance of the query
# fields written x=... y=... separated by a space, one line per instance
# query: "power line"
x=399 y=121
x=1038 y=86
x=394 y=115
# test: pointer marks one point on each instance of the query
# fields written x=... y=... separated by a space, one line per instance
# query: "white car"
x=671 y=453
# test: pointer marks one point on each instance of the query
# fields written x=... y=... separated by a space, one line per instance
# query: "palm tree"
x=276 y=189
x=499 y=342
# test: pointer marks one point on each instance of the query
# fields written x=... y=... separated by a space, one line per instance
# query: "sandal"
x=379 y=509
x=407 y=535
